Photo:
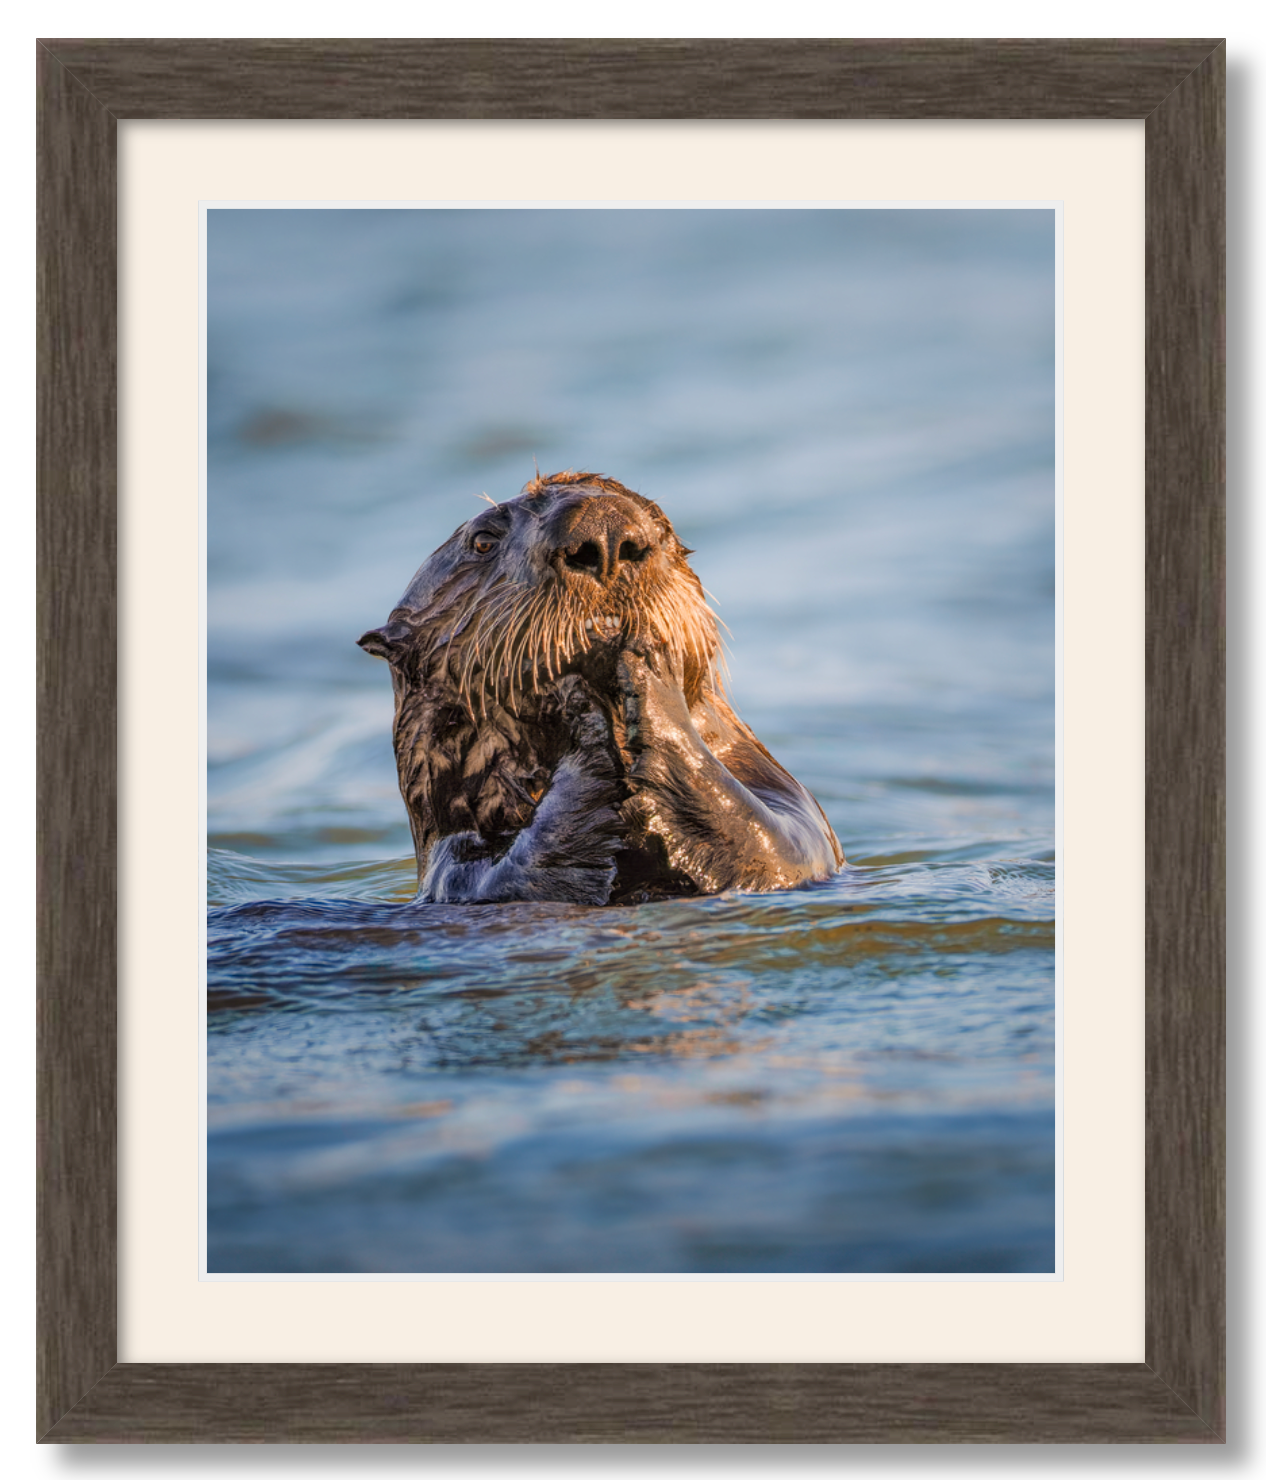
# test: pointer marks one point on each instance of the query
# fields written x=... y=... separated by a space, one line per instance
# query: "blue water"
x=849 y=416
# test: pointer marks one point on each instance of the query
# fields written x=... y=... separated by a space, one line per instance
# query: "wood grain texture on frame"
x=1176 y=1393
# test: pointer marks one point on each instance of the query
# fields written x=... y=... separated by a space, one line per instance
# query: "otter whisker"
x=539 y=637
x=513 y=645
x=527 y=651
x=534 y=643
x=558 y=640
x=575 y=637
x=490 y=638
x=475 y=637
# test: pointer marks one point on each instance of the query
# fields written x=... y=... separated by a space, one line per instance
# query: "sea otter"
x=561 y=731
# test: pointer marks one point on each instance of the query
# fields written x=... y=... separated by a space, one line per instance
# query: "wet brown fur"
x=479 y=728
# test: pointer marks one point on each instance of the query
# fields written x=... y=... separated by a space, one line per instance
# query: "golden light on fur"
x=501 y=640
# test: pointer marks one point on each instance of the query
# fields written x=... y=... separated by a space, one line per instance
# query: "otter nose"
x=601 y=536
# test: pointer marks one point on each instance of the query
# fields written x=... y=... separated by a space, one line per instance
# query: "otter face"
x=549 y=583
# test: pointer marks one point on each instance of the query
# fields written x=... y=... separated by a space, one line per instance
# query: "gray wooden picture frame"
x=1176 y=1393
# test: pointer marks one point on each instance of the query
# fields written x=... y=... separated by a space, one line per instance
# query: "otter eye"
x=484 y=541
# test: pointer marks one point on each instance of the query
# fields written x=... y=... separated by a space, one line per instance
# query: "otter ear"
x=385 y=642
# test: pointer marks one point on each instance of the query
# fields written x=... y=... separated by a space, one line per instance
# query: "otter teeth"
x=603 y=626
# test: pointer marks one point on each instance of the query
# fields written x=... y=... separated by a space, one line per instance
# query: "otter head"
x=552 y=582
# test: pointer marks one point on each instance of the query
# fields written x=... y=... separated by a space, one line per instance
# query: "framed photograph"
x=831 y=1143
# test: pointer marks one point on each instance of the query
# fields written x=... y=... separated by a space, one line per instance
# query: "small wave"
x=348 y=953
x=234 y=878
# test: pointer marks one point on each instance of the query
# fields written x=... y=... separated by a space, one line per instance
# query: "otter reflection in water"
x=561 y=732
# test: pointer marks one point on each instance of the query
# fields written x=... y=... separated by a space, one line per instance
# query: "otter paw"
x=653 y=707
x=454 y=867
x=632 y=672
x=584 y=715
